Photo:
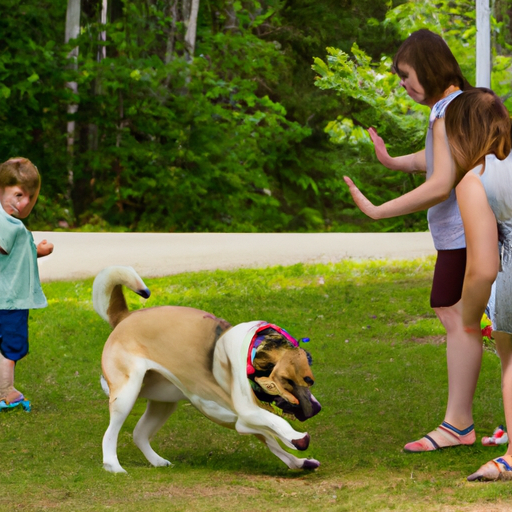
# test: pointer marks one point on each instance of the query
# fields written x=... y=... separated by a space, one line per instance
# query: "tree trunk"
x=72 y=31
x=190 y=11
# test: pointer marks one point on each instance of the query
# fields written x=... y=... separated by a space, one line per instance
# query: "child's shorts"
x=448 y=278
x=14 y=333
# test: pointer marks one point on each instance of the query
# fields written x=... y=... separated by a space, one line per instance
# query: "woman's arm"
x=414 y=162
x=435 y=190
x=482 y=265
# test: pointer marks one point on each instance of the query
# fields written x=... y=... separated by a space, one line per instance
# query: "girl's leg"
x=464 y=358
x=501 y=468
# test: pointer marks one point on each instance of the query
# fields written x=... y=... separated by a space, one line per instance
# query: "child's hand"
x=44 y=248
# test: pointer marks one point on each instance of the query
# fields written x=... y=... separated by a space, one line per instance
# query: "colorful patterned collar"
x=258 y=338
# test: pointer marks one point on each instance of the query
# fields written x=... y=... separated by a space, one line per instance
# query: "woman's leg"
x=464 y=358
x=501 y=468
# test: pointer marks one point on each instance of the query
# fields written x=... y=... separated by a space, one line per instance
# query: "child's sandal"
x=5 y=405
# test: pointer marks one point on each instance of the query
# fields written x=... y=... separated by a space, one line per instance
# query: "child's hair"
x=477 y=124
x=22 y=172
x=434 y=63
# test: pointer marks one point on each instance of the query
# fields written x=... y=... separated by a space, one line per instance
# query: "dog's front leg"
x=255 y=420
x=290 y=460
x=252 y=419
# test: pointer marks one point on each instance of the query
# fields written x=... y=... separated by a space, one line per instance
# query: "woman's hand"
x=361 y=201
x=380 y=148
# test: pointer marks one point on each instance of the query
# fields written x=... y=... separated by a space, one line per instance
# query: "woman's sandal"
x=496 y=469
x=444 y=436
x=5 y=405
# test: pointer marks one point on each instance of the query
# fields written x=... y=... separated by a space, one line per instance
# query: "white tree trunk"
x=483 y=44
x=102 y=50
x=72 y=32
x=191 y=24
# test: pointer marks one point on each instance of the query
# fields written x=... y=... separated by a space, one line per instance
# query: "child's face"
x=409 y=81
x=16 y=201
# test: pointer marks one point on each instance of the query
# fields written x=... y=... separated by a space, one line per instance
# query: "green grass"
x=379 y=364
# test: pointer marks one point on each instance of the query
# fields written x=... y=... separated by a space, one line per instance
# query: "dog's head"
x=284 y=372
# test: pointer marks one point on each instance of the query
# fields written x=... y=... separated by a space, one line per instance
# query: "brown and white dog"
x=170 y=353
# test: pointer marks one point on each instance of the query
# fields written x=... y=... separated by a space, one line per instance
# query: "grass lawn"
x=380 y=369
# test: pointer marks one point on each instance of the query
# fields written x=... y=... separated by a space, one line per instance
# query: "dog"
x=234 y=375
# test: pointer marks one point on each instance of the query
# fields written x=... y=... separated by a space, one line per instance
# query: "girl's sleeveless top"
x=444 y=219
x=497 y=183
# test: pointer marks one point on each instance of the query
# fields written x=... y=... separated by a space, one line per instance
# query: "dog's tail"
x=107 y=292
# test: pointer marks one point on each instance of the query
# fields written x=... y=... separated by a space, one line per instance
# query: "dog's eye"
x=309 y=381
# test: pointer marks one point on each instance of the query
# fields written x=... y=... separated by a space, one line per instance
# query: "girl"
x=431 y=76
x=478 y=130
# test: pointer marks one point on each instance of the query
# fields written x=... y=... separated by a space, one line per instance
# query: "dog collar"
x=257 y=339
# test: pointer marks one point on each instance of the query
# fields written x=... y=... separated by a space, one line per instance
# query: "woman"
x=431 y=76
x=478 y=130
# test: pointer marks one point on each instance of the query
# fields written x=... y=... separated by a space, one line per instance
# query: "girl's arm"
x=415 y=162
x=435 y=190
x=482 y=265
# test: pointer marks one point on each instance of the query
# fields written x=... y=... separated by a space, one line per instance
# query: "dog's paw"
x=301 y=444
x=310 y=464
x=161 y=463
x=113 y=468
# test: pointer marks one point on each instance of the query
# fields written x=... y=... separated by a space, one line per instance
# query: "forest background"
x=220 y=115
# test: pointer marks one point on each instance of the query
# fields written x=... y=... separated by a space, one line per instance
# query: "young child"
x=20 y=289
x=478 y=128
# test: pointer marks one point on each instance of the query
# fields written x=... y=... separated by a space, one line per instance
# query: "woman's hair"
x=433 y=61
x=22 y=172
x=477 y=124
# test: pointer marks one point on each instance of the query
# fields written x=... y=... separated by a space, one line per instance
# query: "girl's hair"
x=477 y=124
x=22 y=172
x=434 y=63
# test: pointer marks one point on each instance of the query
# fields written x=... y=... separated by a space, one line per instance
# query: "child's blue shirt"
x=20 y=287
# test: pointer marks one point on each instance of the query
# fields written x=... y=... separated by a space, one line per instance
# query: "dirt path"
x=83 y=255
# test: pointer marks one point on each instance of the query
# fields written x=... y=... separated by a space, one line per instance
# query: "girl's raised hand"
x=380 y=147
x=361 y=201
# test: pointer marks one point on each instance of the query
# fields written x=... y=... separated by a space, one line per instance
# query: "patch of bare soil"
x=429 y=340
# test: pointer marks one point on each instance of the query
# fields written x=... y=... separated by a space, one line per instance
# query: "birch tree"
x=72 y=32
x=191 y=8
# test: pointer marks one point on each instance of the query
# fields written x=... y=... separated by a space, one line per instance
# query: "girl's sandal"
x=496 y=469
x=25 y=404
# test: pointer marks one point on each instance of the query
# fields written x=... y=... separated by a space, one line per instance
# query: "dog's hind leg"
x=151 y=422
x=290 y=460
x=121 y=403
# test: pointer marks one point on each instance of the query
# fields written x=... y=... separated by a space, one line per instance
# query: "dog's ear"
x=272 y=388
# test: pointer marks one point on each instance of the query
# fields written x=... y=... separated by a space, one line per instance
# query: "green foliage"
x=379 y=361
x=380 y=102
x=32 y=74
x=233 y=139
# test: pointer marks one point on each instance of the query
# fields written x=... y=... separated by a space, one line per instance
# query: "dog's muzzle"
x=308 y=406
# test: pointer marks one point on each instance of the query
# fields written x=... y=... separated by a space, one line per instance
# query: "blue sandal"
x=5 y=406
